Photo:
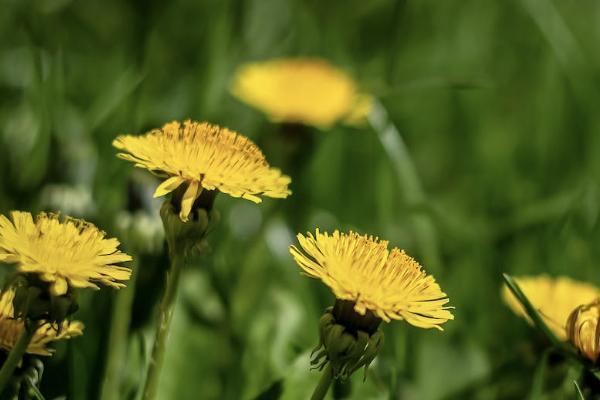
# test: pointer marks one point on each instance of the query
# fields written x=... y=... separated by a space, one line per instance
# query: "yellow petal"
x=60 y=286
x=168 y=186
x=191 y=194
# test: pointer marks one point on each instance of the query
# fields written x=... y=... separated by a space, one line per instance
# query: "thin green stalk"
x=410 y=183
x=16 y=354
x=167 y=305
x=35 y=392
x=324 y=383
x=538 y=321
x=117 y=339
x=578 y=390
x=531 y=311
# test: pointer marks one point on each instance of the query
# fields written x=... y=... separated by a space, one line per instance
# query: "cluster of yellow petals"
x=583 y=329
x=553 y=298
x=307 y=91
x=12 y=328
x=361 y=269
x=64 y=252
x=203 y=156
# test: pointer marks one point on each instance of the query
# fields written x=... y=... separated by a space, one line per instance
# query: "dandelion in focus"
x=371 y=284
x=201 y=157
x=64 y=252
x=304 y=91
x=197 y=160
x=553 y=298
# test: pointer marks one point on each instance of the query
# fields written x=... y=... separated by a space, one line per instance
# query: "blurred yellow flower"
x=307 y=91
x=11 y=329
x=203 y=156
x=583 y=329
x=361 y=269
x=554 y=298
x=67 y=252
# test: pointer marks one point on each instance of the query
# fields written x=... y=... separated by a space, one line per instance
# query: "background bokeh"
x=495 y=105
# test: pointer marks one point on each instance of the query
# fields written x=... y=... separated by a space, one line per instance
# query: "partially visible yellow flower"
x=202 y=156
x=361 y=269
x=64 y=252
x=583 y=329
x=553 y=298
x=11 y=329
x=307 y=91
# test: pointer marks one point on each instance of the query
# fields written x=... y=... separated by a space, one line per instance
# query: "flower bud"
x=583 y=329
x=185 y=237
x=348 y=340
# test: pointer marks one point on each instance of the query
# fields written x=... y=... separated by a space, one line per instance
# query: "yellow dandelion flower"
x=11 y=329
x=203 y=156
x=64 y=252
x=361 y=269
x=583 y=329
x=553 y=298
x=307 y=91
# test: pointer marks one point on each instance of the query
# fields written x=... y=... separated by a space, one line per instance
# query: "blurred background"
x=494 y=104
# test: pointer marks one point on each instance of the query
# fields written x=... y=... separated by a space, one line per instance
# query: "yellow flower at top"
x=307 y=91
x=361 y=269
x=553 y=298
x=63 y=252
x=202 y=156
x=11 y=329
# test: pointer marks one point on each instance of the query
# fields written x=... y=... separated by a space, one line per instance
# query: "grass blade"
x=409 y=181
x=578 y=390
x=531 y=311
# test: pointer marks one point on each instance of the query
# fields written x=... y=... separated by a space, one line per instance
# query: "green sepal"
x=186 y=238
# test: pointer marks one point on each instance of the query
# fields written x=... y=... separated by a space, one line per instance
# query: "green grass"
x=495 y=104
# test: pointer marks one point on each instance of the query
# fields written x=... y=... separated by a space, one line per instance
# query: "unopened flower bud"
x=583 y=329
x=185 y=237
x=348 y=340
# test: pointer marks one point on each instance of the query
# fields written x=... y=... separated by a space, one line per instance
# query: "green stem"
x=324 y=383
x=117 y=340
x=578 y=391
x=16 y=354
x=35 y=391
x=167 y=305
x=410 y=182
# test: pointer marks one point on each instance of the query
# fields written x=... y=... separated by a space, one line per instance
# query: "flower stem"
x=165 y=314
x=117 y=339
x=324 y=383
x=16 y=353
x=410 y=182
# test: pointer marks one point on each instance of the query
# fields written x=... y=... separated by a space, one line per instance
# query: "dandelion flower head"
x=202 y=156
x=65 y=252
x=307 y=91
x=553 y=298
x=361 y=269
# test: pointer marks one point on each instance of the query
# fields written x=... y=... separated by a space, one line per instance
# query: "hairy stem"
x=324 y=383
x=167 y=305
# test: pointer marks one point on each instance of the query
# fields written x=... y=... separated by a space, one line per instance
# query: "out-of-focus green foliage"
x=495 y=101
